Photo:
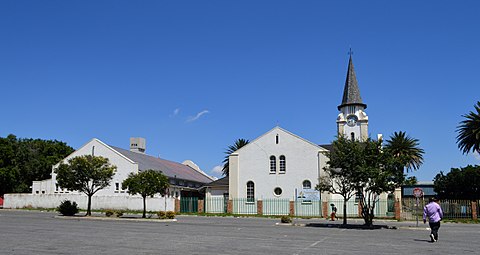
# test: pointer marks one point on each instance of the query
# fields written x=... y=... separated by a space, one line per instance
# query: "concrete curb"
x=113 y=219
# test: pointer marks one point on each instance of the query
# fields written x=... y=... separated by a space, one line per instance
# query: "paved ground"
x=33 y=232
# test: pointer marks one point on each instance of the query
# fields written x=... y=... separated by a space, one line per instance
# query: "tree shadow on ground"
x=348 y=226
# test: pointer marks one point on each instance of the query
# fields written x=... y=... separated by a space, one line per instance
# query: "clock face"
x=352 y=120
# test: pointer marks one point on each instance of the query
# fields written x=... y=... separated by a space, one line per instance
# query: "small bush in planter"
x=68 y=208
x=286 y=219
x=162 y=215
x=170 y=215
x=119 y=213
x=109 y=212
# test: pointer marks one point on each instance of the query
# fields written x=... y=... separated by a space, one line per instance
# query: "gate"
x=188 y=204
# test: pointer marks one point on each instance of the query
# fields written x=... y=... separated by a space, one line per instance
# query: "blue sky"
x=193 y=76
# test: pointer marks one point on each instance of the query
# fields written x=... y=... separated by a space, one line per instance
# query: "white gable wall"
x=124 y=167
x=304 y=161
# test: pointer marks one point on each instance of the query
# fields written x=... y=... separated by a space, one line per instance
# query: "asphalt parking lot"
x=35 y=232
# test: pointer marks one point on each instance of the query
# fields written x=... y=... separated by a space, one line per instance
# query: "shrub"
x=162 y=215
x=119 y=213
x=67 y=208
x=109 y=212
x=286 y=219
x=170 y=215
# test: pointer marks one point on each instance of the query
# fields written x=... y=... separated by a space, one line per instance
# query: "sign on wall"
x=309 y=194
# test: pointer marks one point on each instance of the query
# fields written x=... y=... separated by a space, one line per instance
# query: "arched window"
x=353 y=136
x=307 y=184
x=283 y=164
x=273 y=164
x=250 y=191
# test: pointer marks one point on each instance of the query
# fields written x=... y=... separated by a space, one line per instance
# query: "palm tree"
x=231 y=149
x=468 y=138
x=406 y=150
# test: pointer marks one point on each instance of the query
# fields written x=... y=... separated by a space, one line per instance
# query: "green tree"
x=146 y=183
x=468 y=138
x=87 y=174
x=342 y=171
x=25 y=160
x=459 y=183
x=362 y=168
x=410 y=181
x=379 y=174
x=231 y=149
x=406 y=151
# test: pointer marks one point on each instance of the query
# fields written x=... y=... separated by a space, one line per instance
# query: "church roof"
x=351 y=92
x=169 y=168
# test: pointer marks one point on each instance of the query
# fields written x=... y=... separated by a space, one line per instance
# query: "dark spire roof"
x=351 y=93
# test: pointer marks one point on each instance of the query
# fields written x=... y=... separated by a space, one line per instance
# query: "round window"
x=277 y=191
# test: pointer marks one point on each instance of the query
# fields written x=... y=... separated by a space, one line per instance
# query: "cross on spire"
x=350 y=52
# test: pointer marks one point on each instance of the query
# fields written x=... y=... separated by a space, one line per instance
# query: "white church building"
x=281 y=166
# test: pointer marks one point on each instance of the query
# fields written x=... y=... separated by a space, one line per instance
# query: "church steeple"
x=352 y=121
x=351 y=92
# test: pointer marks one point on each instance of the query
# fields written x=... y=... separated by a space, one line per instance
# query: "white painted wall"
x=304 y=161
x=124 y=167
x=156 y=203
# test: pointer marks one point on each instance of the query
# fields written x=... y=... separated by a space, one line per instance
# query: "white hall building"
x=185 y=179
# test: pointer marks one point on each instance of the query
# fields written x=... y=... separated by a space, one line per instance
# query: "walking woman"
x=435 y=214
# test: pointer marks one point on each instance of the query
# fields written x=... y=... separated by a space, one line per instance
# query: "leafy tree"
x=87 y=174
x=146 y=183
x=468 y=138
x=459 y=183
x=379 y=174
x=25 y=160
x=343 y=169
x=410 y=181
x=406 y=150
x=231 y=149
x=363 y=168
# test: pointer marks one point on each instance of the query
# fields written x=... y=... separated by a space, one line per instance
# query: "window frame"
x=250 y=194
x=273 y=164
x=282 y=164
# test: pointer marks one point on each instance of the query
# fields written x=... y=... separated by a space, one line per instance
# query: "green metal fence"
x=452 y=209
x=308 y=208
x=456 y=209
x=216 y=204
x=276 y=206
x=352 y=207
x=244 y=206
x=189 y=204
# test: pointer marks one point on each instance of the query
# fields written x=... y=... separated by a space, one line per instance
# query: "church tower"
x=352 y=121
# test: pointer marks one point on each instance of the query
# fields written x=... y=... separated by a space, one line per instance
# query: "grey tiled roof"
x=351 y=92
x=329 y=147
x=220 y=182
x=169 y=168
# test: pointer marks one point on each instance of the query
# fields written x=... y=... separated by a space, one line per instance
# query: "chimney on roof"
x=137 y=144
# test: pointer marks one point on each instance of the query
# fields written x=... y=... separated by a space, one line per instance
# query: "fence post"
x=325 y=209
x=397 y=209
x=259 y=207
x=230 y=206
x=292 y=208
x=360 y=208
x=177 y=205
x=474 y=210
x=200 y=206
